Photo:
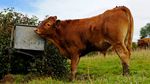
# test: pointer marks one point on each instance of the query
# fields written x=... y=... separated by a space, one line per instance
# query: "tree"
x=145 y=31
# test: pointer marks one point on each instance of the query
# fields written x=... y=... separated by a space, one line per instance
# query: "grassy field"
x=97 y=69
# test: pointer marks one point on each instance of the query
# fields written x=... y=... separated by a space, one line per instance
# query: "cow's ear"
x=57 y=22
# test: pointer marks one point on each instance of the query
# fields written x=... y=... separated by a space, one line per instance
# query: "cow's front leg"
x=74 y=62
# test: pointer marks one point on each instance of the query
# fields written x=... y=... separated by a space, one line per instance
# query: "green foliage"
x=48 y=62
x=145 y=31
x=8 y=19
x=4 y=58
x=51 y=63
x=59 y=65
x=134 y=45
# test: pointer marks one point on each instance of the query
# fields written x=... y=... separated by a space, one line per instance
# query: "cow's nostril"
x=35 y=29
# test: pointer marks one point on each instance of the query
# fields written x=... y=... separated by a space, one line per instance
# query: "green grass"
x=97 y=69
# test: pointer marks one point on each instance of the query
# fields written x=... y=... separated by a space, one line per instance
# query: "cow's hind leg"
x=123 y=53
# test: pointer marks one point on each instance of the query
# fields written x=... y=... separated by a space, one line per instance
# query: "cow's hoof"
x=126 y=74
x=71 y=79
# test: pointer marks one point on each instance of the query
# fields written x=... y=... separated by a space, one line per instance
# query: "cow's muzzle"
x=36 y=31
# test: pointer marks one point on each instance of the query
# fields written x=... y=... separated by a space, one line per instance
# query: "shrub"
x=134 y=45
x=4 y=58
x=51 y=63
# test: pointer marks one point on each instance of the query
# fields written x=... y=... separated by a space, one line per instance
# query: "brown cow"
x=75 y=38
x=144 y=43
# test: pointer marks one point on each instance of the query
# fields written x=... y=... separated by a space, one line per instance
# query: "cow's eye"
x=48 y=24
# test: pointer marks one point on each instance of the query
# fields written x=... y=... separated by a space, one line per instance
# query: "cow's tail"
x=130 y=30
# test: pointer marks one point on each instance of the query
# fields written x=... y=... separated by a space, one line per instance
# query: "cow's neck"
x=56 y=40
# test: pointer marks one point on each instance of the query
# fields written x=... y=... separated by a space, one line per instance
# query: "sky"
x=76 y=9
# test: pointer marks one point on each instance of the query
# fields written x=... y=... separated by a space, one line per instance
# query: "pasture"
x=97 y=69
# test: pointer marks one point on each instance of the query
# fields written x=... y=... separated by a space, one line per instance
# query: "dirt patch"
x=7 y=79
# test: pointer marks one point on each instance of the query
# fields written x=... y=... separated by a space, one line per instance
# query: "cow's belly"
x=102 y=47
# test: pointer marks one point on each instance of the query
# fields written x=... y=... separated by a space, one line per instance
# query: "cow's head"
x=47 y=27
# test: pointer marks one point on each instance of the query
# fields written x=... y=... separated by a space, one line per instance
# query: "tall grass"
x=97 y=69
